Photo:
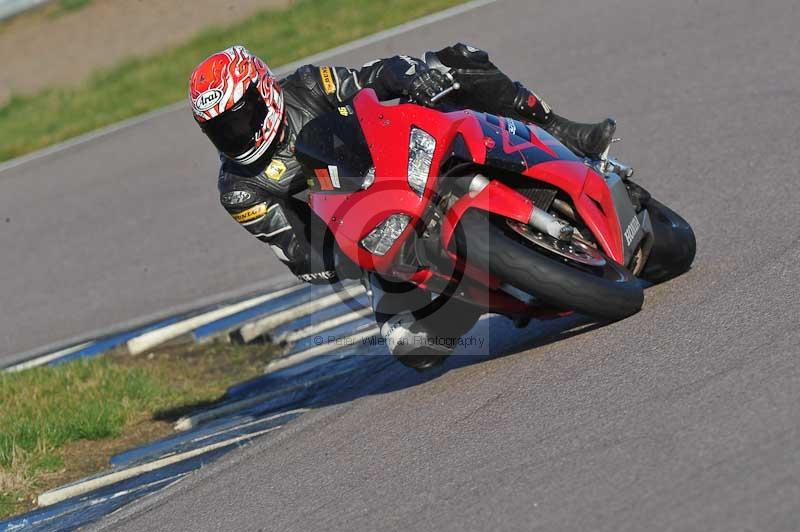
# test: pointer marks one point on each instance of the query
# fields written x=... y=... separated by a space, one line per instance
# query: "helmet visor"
x=234 y=131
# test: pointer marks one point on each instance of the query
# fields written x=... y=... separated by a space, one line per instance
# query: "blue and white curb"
x=249 y=319
x=258 y=328
x=49 y=358
x=65 y=492
x=88 y=349
x=208 y=434
x=153 y=339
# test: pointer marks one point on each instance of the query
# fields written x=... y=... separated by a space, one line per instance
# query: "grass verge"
x=62 y=423
x=143 y=84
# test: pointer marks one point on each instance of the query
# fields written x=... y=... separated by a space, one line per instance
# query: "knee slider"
x=404 y=336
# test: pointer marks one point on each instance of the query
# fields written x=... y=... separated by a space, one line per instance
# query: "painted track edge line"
x=283 y=69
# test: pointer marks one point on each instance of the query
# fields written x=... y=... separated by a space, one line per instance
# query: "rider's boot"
x=417 y=333
x=583 y=139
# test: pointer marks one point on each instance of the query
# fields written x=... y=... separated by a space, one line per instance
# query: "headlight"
x=380 y=239
x=420 y=156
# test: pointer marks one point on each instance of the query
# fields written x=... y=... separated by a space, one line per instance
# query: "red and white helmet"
x=238 y=103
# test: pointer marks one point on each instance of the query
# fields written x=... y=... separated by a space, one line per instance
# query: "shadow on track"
x=376 y=374
x=365 y=369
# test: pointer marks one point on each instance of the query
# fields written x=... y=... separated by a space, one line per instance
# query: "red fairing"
x=387 y=130
x=588 y=190
x=352 y=216
x=490 y=141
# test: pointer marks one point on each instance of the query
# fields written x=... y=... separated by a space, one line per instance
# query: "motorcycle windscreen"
x=333 y=152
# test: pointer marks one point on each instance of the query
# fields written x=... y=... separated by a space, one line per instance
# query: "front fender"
x=495 y=198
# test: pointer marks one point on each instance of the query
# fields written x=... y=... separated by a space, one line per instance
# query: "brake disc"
x=574 y=249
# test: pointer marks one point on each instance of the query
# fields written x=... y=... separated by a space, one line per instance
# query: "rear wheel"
x=580 y=279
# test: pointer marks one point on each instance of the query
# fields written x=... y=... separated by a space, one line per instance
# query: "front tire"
x=674 y=244
x=607 y=292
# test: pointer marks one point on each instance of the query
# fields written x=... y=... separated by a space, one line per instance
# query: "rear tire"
x=608 y=292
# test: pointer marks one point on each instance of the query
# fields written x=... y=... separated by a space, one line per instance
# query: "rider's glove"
x=427 y=84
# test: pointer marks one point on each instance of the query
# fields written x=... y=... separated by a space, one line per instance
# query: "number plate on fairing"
x=631 y=225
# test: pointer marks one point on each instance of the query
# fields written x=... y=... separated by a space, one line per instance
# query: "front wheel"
x=674 y=244
x=601 y=289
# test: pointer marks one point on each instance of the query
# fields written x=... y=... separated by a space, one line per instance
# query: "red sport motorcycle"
x=487 y=209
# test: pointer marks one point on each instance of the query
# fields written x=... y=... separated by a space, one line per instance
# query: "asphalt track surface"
x=683 y=417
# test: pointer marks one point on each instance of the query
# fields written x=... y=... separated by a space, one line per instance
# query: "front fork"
x=497 y=198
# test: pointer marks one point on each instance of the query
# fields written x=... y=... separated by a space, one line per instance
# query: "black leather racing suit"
x=267 y=197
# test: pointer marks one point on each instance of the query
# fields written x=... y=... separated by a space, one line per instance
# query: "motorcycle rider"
x=253 y=120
